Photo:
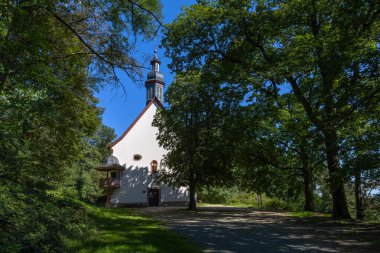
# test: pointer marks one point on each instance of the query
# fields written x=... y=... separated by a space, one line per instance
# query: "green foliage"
x=232 y=196
x=102 y=35
x=372 y=209
x=305 y=214
x=325 y=53
x=121 y=230
x=214 y=195
x=47 y=107
x=323 y=203
x=81 y=178
x=32 y=222
x=53 y=55
x=275 y=204
x=191 y=130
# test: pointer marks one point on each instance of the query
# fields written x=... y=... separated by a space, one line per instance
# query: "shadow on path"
x=229 y=229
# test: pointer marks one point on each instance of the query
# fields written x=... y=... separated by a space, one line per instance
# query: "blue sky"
x=121 y=108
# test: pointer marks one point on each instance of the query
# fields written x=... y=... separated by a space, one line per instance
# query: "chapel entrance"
x=153 y=197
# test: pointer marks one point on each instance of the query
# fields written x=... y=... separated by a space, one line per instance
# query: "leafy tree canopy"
x=192 y=130
x=326 y=52
x=53 y=56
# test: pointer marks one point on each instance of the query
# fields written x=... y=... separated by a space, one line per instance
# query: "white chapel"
x=131 y=170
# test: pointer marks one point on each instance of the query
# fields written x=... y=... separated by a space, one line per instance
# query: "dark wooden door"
x=154 y=197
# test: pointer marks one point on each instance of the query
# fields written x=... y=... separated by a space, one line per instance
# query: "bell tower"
x=155 y=81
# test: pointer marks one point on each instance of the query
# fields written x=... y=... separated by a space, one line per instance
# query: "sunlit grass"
x=227 y=205
x=306 y=214
x=121 y=230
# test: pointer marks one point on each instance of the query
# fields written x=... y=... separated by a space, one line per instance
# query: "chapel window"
x=137 y=157
x=153 y=166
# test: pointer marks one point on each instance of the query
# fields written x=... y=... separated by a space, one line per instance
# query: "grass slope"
x=121 y=230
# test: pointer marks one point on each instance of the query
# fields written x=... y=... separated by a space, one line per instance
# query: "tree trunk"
x=358 y=194
x=340 y=208
x=192 y=202
x=109 y=197
x=307 y=180
x=259 y=200
x=308 y=189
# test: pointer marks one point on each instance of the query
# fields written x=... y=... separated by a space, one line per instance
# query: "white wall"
x=136 y=178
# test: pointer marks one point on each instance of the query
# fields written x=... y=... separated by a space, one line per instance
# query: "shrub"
x=37 y=222
x=275 y=204
x=236 y=197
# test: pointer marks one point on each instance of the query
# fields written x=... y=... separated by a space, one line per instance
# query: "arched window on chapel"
x=153 y=166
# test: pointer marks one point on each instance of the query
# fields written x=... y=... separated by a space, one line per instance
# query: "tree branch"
x=364 y=101
x=92 y=50
x=150 y=12
x=80 y=38
x=305 y=103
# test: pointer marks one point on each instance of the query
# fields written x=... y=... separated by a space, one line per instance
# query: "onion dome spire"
x=155 y=80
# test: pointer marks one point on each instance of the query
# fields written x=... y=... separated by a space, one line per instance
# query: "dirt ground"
x=230 y=229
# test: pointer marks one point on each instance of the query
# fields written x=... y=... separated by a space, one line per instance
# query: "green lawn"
x=306 y=214
x=121 y=230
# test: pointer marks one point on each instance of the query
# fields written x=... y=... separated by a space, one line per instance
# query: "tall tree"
x=299 y=142
x=190 y=130
x=361 y=156
x=82 y=178
x=327 y=52
x=105 y=34
x=53 y=56
x=277 y=139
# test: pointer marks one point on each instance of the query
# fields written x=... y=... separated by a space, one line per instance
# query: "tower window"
x=150 y=93
x=159 y=93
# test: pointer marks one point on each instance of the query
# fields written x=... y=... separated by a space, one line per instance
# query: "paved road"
x=228 y=229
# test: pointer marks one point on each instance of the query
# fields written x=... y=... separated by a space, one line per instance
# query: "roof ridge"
x=155 y=99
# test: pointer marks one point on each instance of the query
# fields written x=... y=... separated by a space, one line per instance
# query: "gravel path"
x=230 y=229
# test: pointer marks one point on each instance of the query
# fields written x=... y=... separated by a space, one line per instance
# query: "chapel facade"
x=132 y=168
